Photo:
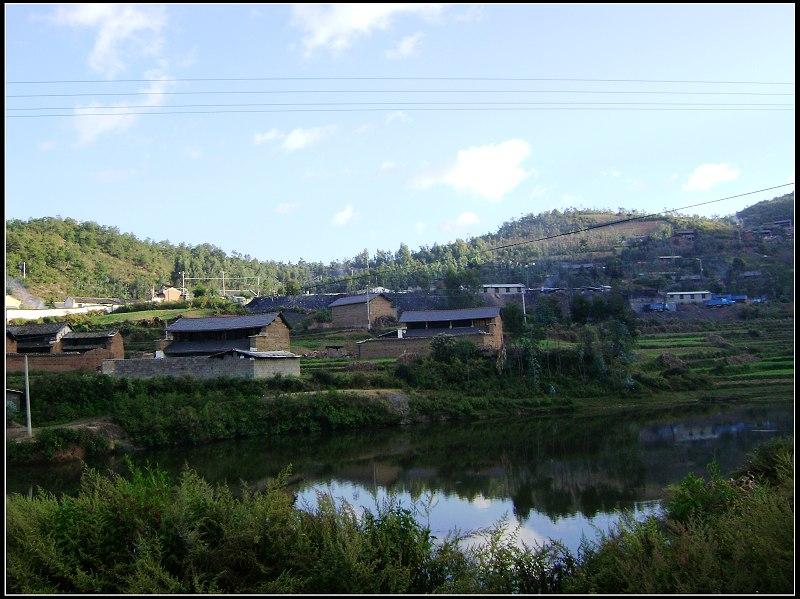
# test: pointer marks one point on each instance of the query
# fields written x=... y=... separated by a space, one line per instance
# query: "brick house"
x=88 y=341
x=166 y=294
x=482 y=326
x=361 y=311
x=56 y=348
x=39 y=338
x=205 y=336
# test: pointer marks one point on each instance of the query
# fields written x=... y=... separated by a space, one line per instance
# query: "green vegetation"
x=57 y=443
x=718 y=536
x=144 y=533
x=768 y=211
x=64 y=256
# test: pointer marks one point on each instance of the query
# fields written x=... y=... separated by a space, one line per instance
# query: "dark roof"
x=256 y=354
x=412 y=300
x=357 y=299
x=224 y=323
x=440 y=315
x=89 y=335
x=10 y=334
x=29 y=330
x=206 y=347
x=454 y=332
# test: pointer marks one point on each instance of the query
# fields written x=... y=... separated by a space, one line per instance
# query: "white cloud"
x=398 y=115
x=194 y=152
x=707 y=176
x=405 y=47
x=47 y=145
x=123 y=31
x=344 y=216
x=285 y=208
x=465 y=220
x=336 y=26
x=388 y=167
x=490 y=171
x=419 y=227
x=296 y=139
x=114 y=117
x=271 y=135
x=540 y=191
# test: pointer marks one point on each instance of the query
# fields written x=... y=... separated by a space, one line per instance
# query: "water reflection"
x=556 y=477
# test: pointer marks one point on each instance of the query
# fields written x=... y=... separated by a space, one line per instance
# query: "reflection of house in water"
x=679 y=433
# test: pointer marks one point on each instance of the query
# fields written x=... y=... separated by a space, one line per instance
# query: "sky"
x=323 y=182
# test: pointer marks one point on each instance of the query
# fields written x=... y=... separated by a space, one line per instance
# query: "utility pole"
x=223 y=283
x=524 y=313
x=369 y=324
x=28 y=399
x=183 y=283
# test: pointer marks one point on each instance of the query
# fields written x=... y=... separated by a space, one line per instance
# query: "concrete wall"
x=12 y=313
x=273 y=337
x=355 y=315
x=59 y=362
x=203 y=367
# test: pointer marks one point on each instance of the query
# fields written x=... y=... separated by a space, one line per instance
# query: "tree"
x=291 y=287
x=513 y=319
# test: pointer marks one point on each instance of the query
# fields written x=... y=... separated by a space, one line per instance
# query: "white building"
x=688 y=297
x=503 y=288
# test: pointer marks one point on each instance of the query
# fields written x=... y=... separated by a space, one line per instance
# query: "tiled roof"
x=442 y=315
x=206 y=347
x=356 y=299
x=454 y=332
x=89 y=335
x=256 y=354
x=223 y=323
x=29 y=330
x=412 y=300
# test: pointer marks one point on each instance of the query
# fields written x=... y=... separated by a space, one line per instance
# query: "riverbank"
x=203 y=415
x=144 y=532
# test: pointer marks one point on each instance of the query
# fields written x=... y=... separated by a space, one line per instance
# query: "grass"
x=112 y=318
x=146 y=533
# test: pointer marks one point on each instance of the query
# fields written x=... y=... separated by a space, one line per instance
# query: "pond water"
x=558 y=477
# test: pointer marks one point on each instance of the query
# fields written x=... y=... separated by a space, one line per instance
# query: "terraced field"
x=737 y=355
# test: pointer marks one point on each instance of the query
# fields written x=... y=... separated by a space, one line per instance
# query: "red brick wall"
x=11 y=345
x=59 y=362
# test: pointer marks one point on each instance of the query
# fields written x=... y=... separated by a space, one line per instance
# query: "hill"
x=768 y=211
x=67 y=257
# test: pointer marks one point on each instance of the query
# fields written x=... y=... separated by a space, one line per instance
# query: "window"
x=508 y=289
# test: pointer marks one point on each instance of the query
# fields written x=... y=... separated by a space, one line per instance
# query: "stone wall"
x=59 y=362
x=203 y=367
x=355 y=315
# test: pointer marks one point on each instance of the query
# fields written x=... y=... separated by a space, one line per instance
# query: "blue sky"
x=325 y=185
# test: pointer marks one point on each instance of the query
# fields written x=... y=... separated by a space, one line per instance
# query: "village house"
x=39 y=338
x=361 y=311
x=688 y=297
x=166 y=294
x=82 y=342
x=205 y=336
x=84 y=302
x=54 y=347
x=482 y=326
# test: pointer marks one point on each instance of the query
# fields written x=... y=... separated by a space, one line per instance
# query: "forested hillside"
x=67 y=257
x=766 y=213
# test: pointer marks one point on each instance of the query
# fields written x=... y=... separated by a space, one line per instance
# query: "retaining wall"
x=203 y=367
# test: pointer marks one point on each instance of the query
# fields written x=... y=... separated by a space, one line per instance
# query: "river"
x=561 y=477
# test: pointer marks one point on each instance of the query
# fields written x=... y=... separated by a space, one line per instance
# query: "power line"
x=344 y=78
x=398 y=91
x=573 y=232
x=412 y=104
x=83 y=114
